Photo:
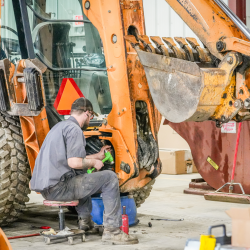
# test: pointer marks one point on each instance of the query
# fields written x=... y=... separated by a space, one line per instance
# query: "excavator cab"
x=65 y=46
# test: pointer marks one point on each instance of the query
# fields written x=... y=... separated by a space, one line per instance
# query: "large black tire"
x=143 y=193
x=14 y=170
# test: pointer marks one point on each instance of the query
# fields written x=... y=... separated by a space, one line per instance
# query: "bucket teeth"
x=147 y=44
x=194 y=54
x=132 y=40
x=160 y=45
x=184 y=45
x=202 y=53
x=179 y=53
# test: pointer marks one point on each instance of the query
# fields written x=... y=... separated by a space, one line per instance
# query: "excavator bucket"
x=175 y=85
x=184 y=90
x=4 y=242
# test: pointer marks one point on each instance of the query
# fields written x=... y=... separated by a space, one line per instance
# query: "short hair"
x=81 y=105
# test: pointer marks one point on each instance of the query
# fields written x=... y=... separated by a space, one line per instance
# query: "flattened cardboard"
x=240 y=226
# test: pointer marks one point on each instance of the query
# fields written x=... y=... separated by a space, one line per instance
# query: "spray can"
x=125 y=224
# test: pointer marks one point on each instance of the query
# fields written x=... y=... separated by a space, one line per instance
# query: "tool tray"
x=194 y=244
x=76 y=233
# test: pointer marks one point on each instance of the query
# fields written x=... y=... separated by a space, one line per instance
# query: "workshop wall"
x=168 y=138
x=161 y=20
x=248 y=13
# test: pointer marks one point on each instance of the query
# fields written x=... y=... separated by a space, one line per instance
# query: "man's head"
x=82 y=111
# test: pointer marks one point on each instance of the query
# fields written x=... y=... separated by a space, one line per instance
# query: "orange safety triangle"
x=67 y=94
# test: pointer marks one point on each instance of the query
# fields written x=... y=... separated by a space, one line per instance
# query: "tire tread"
x=14 y=170
x=140 y=195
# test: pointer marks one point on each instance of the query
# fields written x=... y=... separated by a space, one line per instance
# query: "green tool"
x=89 y=171
x=108 y=157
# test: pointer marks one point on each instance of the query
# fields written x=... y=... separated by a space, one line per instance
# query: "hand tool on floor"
x=125 y=223
x=168 y=219
x=108 y=157
x=42 y=227
x=23 y=236
x=230 y=196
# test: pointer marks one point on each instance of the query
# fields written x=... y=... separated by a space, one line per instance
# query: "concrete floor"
x=166 y=201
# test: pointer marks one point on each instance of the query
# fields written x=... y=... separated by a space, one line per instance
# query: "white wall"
x=248 y=13
x=161 y=20
x=168 y=138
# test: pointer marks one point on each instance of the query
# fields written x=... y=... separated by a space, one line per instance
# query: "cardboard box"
x=240 y=226
x=190 y=166
x=176 y=161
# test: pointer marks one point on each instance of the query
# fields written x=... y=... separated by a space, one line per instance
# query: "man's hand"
x=98 y=164
x=80 y=163
x=101 y=154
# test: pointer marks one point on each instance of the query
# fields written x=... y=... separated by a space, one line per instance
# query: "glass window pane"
x=71 y=45
x=9 y=39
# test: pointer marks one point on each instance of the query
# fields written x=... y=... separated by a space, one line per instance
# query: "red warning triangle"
x=67 y=94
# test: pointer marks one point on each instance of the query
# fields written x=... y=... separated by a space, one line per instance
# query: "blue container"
x=98 y=208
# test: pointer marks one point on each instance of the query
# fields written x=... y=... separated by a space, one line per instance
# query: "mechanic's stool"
x=61 y=204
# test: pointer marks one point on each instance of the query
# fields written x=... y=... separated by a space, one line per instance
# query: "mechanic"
x=60 y=174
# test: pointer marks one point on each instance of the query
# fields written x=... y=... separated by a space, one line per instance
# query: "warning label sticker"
x=229 y=127
x=213 y=164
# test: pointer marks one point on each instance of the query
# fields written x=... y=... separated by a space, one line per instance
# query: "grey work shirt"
x=65 y=140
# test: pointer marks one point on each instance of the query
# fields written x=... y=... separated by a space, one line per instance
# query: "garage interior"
x=200 y=152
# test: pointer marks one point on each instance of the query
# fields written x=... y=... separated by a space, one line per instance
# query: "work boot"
x=117 y=237
x=87 y=225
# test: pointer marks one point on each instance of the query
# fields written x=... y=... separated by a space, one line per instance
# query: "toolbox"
x=210 y=242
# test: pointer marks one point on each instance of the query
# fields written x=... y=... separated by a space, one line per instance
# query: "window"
x=9 y=38
x=65 y=45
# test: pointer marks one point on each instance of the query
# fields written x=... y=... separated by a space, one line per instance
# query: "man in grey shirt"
x=56 y=174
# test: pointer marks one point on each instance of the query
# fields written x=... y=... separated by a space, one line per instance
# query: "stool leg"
x=61 y=219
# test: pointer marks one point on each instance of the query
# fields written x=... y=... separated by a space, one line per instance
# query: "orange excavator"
x=53 y=52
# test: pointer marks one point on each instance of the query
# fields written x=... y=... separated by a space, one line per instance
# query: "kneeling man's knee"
x=113 y=175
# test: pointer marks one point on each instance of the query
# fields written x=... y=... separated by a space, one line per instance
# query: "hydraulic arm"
x=189 y=82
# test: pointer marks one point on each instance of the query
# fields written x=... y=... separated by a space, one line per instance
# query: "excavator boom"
x=192 y=83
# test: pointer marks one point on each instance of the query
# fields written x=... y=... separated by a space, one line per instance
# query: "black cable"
x=8 y=28
x=55 y=20
x=69 y=69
